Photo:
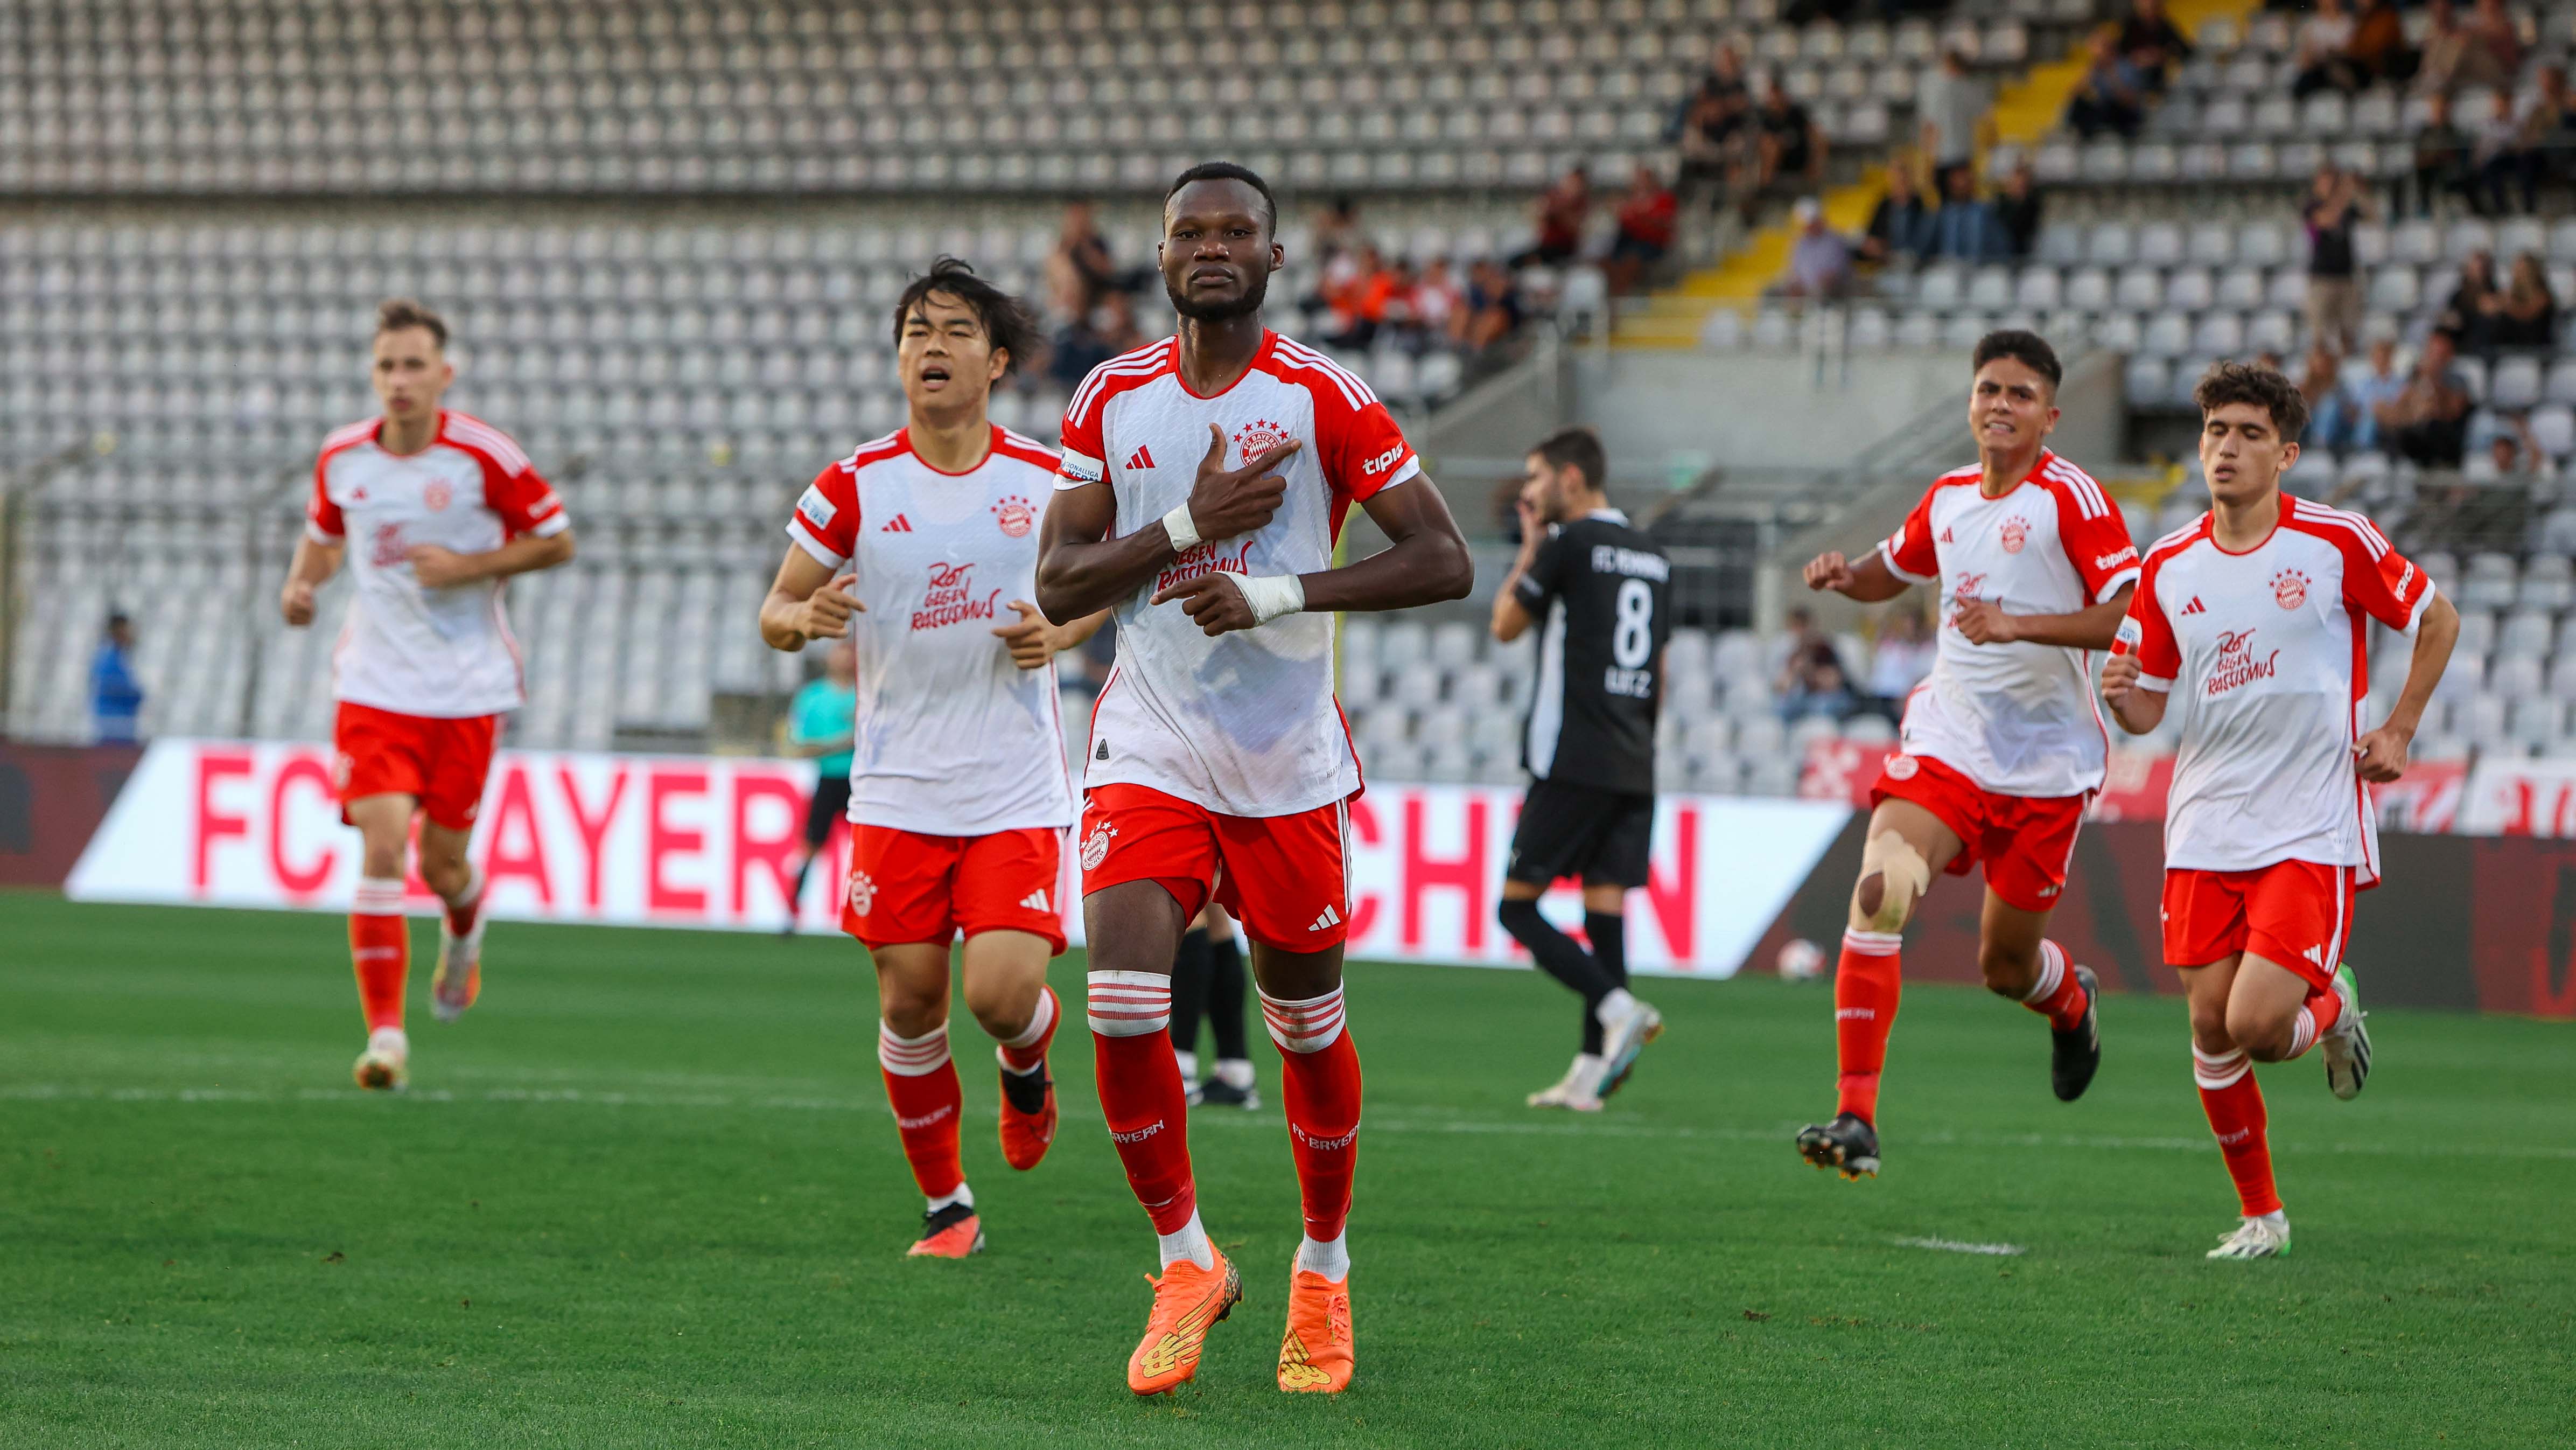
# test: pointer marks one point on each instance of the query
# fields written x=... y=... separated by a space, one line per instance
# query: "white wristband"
x=1183 y=529
x=1273 y=596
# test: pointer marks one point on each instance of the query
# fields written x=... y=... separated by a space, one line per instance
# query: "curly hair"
x=2265 y=388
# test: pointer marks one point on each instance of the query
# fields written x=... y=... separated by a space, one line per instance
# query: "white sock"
x=1332 y=1260
x=964 y=1195
x=389 y=1039
x=473 y=887
x=1234 y=1072
x=1190 y=1243
x=1614 y=1009
x=1189 y=1062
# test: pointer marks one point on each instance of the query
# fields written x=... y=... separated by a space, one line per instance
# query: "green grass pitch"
x=647 y=1194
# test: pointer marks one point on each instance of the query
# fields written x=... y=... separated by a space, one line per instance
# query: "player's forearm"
x=524 y=555
x=2434 y=637
x=1079 y=579
x=1421 y=568
x=778 y=622
x=2091 y=628
x=1079 y=633
x=2140 y=711
x=817 y=749
x=314 y=563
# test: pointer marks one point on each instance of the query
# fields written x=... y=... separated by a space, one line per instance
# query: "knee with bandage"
x=1893 y=876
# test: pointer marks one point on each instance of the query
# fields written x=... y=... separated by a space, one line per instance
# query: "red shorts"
x=2024 y=841
x=907 y=887
x=1286 y=878
x=440 y=762
x=2295 y=914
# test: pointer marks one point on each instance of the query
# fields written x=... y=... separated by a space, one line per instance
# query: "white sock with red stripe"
x=2058 y=995
x=465 y=908
x=1320 y=1088
x=2317 y=1017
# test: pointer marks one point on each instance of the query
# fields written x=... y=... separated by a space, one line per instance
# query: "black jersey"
x=1598 y=589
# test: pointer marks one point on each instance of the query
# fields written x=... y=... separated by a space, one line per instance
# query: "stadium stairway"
x=2025 y=110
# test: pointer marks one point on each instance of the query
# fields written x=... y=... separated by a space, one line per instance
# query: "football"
x=1801 y=961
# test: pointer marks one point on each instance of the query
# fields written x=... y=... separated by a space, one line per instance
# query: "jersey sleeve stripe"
x=805 y=540
x=358 y=432
x=477 y=434
x=1888 y=556
x=1139 y=364
x=2161 y=684
x=2089 y=500
x=1303 y=358
x=1077 y=469
x=2361 y=527
x=320 y=535
x=2111 y=586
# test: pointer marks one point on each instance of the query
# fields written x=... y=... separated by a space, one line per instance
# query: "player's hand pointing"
x=295 y=602
x=1829 y=571
x=1984 y=622
x=826 y=612
x=1225 y=502
x=2380 y=757
x=1213 y=601
x=438 y=568
x=1031 y=640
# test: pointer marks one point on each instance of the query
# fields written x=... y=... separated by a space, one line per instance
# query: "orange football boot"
x=1028 y=1116
x=951 y=1233
x=1187 y=1300
x=1315 y=1354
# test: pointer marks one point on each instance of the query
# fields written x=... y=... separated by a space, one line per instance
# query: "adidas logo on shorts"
x=1037 y=901
x=1329 y=919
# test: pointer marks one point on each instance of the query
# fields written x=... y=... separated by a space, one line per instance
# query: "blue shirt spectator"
x=116 y=697
x=2362 y=393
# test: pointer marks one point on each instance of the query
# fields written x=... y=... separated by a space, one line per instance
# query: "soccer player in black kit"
x=1596 y=586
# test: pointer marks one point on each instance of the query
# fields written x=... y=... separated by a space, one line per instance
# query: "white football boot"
x=2347 y=1047
x=1586 y=1068
x=1624 y=1034
x=459 y=978
x=386 y=1064
x=2266 y=1237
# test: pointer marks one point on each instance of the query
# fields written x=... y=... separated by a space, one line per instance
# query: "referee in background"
x=1596 y=587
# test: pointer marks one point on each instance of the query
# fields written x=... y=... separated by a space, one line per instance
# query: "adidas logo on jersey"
x=1036 y=901
x=1329 y=919
x=1945 y=537
x=1141 y=458
x=897 y=525
x=2195 y=606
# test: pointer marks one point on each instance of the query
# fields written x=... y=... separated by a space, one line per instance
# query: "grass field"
x=647 y=1194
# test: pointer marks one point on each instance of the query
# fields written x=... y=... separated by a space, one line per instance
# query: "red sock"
x=1141 y=1093
x=2234 y=1102
x=921 y=1086
x=2058 y=995
x=1028 y=1051
x=380 y=949
x=1867 y=983
x=1319 y=1085
x=2317 y=1017
x=461 y=916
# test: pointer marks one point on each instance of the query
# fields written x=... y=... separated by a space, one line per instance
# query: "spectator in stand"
x=1956 y=117
x=1965 y=228
x=2364 y=392
x=2378 y=49
x=2485 y=49
x=1493 y=310
x=2525 y=314
x=2017 y=211
x=2153 y=43
x=1817 y=685
x=2468 y=314
x=1820 y=264
x=1438 y=300
x=115 y=695
x=1780 y=652
x=1724 y=81
x=1792 y=144
x=2334 y=207
x=1338 y=229
x=2329 y=416
x=2492 y=155
x=1360 y=310
x=1080 y=271
x=2441 y=155
x=1562 y=211
x=2547 y=131
x=1649 y=216
x=1901 y=226
x=2112 y=96
x=2325 y=57
x=2428 y=422
x=1900 y=661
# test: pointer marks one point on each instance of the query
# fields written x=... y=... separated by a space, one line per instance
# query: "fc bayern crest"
x=1901 y=767
x=2015 y=534
x=438 y=494
x=1256 y=438
x=1015 y=516
x=2290 y=588
x=863 y=892
x=1095 y=847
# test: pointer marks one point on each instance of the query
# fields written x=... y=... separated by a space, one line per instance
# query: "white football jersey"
x=1244 y=724
x=443 y=653
x=2266 y=656
x=2021 y=718
x=952 y=738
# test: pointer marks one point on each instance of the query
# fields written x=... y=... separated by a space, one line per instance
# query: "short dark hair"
x=1227 y=171
x=2027 y=348
x=1007 y=325
x=396 y=313
x=1576 y=448
x=2265 y=388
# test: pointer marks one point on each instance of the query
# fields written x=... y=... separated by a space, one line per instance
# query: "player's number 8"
x=1635 y=638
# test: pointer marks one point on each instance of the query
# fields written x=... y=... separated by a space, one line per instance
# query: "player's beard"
x=1254 y=290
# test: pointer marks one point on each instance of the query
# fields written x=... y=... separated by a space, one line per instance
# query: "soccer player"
x=1208 y=982
x=822 y=721
x=2002 y=745
x=1589 y=745
x=921 y=547
x=1205 y=479
x=2253 y=623
x=445 y=508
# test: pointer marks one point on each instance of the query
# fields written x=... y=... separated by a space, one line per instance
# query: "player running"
x=2257 y=616
x=922 y=546
x=1589 y=745
x=1205 y=480
x=445 y=507
x=2002 y=746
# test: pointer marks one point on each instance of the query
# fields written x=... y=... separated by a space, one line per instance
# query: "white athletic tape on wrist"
x=1273 y=596
x=1183 y=529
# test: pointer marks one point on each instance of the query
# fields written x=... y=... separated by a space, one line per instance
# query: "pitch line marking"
x=76 y=1092
x=1955 y=1246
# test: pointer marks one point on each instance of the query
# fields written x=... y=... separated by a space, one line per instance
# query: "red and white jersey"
x=442 y=653
x=2267 y=656
x=952 y=738
x=1244 y=724
x=2020 y=718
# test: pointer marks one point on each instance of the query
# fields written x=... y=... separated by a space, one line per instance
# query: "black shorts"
x=1598 y=835
x=831 y=802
